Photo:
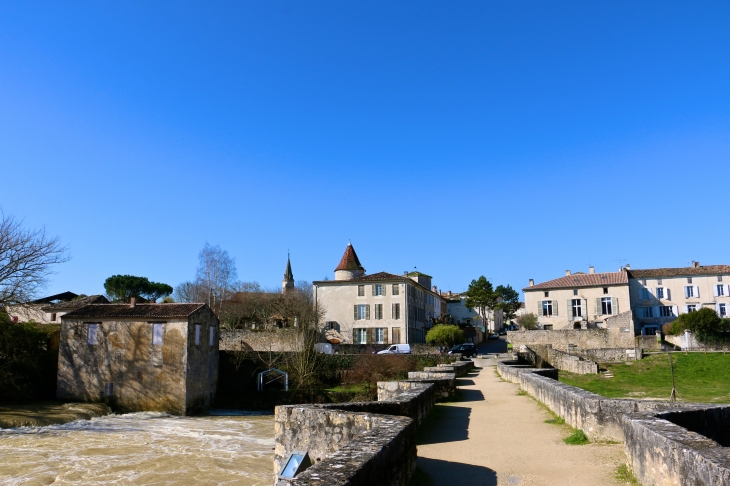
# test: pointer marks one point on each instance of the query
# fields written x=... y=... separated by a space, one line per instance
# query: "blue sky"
x=513 y=140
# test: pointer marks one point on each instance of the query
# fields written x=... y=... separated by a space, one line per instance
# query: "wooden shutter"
x=396 y=335
x=385 y=286
x=685 y=309
x=385 y=335
x=570 y=308
x=354 y=336
x=599 y=310
x=370 y=335
x=714 y=288
x=356 y=312
x=555 y=307
x=727 y=290
x=373 y=289
x=367 y=311
x=667 y=293
x=539 y=308
x=614 y=307
x=675 y=310
x=697 y=291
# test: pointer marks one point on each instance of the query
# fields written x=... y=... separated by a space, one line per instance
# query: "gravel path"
x=494 y=436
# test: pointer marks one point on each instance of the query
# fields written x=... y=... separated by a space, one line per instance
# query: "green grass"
x=624 y=474
x=361 y=388
x=521 y=393
x=577 y=438
x=698 y=377
x=555 y=421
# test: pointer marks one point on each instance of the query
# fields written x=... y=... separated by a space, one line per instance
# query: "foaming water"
x=227 y=447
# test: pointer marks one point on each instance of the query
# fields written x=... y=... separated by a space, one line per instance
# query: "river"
x=142 y=448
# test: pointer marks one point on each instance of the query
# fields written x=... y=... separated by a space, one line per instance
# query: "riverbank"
x=49 y=413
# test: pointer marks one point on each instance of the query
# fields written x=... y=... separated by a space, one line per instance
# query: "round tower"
x=349 y=266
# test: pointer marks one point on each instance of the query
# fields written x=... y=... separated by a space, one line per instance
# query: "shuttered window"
x=378 y=311
x=396 y=289
x=660 y=292
x=362 y=312
x=158 y=334
x=92 y=334
x=361 y=291
x=395 y=309
x=547 y=308
x=395 y=332
x=197 y=334
x=378 y=289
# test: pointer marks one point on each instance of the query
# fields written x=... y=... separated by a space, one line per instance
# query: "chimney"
x=628 y=267
x=591 y=269
x=133 y=302
x=435 y=290
x=567 y=272
x=696 y=264
x=532 y=282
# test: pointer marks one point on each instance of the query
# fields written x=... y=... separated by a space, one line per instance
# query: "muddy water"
x=142 y=448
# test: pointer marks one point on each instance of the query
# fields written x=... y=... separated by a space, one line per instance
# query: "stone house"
x=579 y=300
x=140 y=357
x=660 y=295
x=381 y=308
x=48 y=310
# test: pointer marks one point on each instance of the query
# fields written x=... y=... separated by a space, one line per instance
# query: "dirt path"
x=494 y=436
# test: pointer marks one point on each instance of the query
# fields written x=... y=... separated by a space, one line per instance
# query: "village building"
x=382 y=308
x=459 y=313
x=48 y=310
x=140 y=357
x=578 y=300
x=660 y=295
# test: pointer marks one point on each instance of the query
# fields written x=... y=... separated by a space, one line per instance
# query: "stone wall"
x=274 y=340
x=663 y=449
x=558 y=359
x=606 y=355
x=598 y=417
x=361 y=443
x=444 y=383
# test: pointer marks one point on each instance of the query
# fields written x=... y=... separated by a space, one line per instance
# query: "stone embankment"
x=43 y=414
x=666 y=443
x=361 y=443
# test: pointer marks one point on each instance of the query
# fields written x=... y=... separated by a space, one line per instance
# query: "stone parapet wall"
x=274 y=340
x=661 y=452
x=597 y=416
x=461 y=368
x=346 y=447
x=605 y=355
x=444 y=383
x=540 y=355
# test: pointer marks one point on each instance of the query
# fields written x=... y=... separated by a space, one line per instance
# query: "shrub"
x=445 y=334
x=577 y=438
x=704 y=323
x=369 y=369
x=667 y=329
x=527 y=321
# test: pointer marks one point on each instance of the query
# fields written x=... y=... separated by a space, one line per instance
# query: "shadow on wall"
x=456 y=473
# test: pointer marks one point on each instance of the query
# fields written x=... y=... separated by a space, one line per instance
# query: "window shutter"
x=555 y=307
x=614 y=307
x=727 y=290
x=367 y=311
x=539 y=308
x=373 y=288
x=385 y=335
x=685 y=309
x=356 y=312
x=697 y=291
x=385 y=286
x=354 y=336
x=570 y=308
x=714 y=288
x=598 y=307
x=370 y=335
x=675 y=310
x=668 y=293
x=717 y=309
x=686 y=292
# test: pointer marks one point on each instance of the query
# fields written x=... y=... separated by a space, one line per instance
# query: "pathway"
x=494 y=436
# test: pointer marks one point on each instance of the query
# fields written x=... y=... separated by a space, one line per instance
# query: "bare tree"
x=217 y=272
x=26 y=260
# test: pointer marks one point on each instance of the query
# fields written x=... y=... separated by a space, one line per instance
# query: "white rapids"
x=142 y=448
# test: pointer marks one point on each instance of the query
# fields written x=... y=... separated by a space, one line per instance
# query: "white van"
x=397 y=349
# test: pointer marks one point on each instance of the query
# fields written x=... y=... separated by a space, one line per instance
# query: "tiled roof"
x=378 y=277
x=680 y=272
x=75 y=304
x=383 y=276
x=100 y=311
x=349 y=260
x=583 y=280
x=62 y=296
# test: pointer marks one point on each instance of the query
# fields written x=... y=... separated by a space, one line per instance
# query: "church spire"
x=287 y=285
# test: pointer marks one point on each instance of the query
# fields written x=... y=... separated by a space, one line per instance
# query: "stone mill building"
x=140 y=357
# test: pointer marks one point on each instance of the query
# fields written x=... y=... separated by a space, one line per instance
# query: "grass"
x=578 y=437
x=361 y=388
x=698 y=378
x=624 y=474
x=521 y=393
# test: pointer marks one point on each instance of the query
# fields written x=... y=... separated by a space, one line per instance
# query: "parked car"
x=397 y=349
x=502 y=332
x=466 y=349
x=494 y=336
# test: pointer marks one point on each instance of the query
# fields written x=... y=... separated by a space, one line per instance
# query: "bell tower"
x=287 y=284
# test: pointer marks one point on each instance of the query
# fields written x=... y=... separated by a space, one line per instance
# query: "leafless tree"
x=217 y=272
x=26 y=260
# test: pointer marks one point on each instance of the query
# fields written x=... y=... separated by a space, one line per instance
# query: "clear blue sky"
x=511 y=139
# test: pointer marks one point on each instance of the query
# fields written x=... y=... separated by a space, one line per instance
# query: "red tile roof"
x=583 y=280
x=76 y=304
x=349 y=260
x=680 y=272
x=100 y=311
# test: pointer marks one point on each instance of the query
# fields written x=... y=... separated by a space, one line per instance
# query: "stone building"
x=49 y=310
x=579 y=300
x=381 y=308
x=660 y=295
x=140 y=357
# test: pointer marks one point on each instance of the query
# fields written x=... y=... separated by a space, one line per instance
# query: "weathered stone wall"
x=201 y=378
x=597 y=416
x=606 y=355
x=274 y=340
x=444 y=383
x=661 y=452
x=559 y=360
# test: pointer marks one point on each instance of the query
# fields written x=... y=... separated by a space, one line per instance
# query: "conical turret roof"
x=288 y=275
x=349 y=260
